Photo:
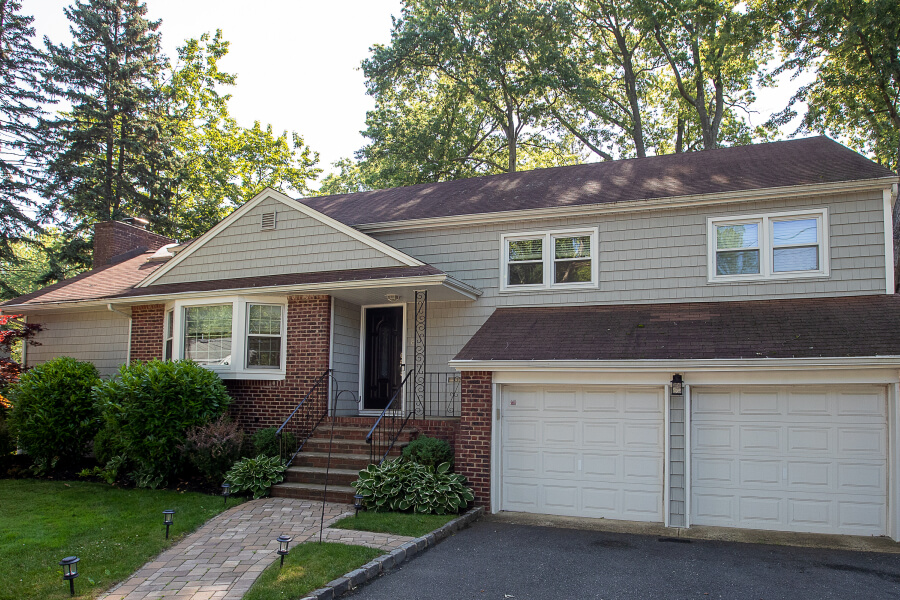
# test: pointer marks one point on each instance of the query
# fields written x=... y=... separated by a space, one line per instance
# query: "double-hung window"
x=768 y=246
x=237 y=337
x=556 y=259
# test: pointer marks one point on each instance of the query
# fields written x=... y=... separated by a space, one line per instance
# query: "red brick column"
x=473 y=442
x=258 y=404
x=147 y=331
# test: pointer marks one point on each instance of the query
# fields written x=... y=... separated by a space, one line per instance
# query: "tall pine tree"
x=21 y=66
x=104 y=151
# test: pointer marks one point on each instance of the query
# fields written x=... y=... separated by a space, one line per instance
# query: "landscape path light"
x=358 y=503
x=168 y=519
x=70 y=571
x=283 y=541
x=226 y=491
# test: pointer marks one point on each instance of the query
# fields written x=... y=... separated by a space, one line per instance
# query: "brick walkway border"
x=395 y=558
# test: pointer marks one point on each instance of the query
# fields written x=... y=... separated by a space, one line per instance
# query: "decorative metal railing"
x=390 y=423
x=302 y=422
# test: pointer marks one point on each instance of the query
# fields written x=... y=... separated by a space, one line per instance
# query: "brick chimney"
x=115 y=241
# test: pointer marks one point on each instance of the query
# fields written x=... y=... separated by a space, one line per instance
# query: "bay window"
x=237 y=337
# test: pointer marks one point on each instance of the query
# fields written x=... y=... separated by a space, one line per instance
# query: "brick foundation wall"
x=258 y=404
x=473 y=441
x=147 y=331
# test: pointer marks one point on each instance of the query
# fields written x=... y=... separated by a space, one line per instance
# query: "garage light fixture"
x=677 y=385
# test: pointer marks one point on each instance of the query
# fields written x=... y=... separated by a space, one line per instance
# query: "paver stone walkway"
x=223 y=558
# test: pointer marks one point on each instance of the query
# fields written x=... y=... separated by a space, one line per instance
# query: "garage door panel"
x=601 y=434
x=715 y=437
x=560 y=464
x=762 y=403
x=817 y=464
x=598 y=451
x=560 y=401
x=559 y=433
x=760 y=438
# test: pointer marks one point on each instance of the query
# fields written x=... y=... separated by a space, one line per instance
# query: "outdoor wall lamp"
x=168 y=518
x=357 y=503
x=283 y=542
x=226 y=491
x=70 y=571
x=677 y=385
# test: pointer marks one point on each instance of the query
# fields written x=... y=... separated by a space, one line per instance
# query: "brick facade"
x=473 y=442
x=258 y=404
x=147 y=331
x=445 y=429
x=112 y=238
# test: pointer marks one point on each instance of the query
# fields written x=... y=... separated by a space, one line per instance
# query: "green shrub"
x=265 y=441
x=53 y=415
x=213 y=448
x=405 y=486
x=7 y=444
x=429 y=451
x=108 y=442
x=256 y=475
x=151 y=406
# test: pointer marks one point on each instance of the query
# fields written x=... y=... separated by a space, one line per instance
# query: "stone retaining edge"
x=395 y=558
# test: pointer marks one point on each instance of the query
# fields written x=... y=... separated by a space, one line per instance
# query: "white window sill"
x=770 y=278
x=251 y=375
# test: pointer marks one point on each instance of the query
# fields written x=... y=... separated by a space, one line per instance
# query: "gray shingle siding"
x=676 y=462
x=298 y=244
x=345 y=355
x=99 y=337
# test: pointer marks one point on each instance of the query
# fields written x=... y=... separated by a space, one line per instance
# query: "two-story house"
x=698 y=339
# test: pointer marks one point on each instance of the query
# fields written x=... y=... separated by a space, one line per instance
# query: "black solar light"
x=677 y=385
x=168 y=518
x=226 y=491
x=358 y=503
x=70 y=571
x=283 y=542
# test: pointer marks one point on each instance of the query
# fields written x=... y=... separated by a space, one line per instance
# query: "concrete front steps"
x=305 y=478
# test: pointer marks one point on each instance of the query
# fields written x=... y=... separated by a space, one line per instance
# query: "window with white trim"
x=167 y=335
x=237 y=337
x=553 y=259
x=768 y=246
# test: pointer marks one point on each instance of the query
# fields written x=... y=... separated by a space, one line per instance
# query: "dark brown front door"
x=383 y=347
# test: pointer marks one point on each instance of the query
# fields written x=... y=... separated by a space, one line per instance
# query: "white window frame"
x=548 y=258
x=766 y=245
x=169 y=333
x=238 y=368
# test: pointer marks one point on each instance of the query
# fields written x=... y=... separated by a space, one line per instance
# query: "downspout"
x=109 y=306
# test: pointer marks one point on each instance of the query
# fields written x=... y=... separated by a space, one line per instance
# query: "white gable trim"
x=292 y=204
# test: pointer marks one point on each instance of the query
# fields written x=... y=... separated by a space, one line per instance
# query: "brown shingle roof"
x=117 y=282
x=801 y=328
x=102 y=282
x=760 y=166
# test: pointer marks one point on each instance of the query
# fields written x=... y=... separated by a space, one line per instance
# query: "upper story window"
x=768 y=246
x=237 y=337
x=555 y=259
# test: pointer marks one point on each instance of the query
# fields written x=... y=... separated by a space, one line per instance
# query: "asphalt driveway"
x=495 y=560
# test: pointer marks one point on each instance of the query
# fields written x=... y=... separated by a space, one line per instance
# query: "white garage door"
x=583 y=451
x=810 y=459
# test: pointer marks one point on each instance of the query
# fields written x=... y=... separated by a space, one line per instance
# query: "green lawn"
x=309 y=566
x=408 y=524
x=113 y=531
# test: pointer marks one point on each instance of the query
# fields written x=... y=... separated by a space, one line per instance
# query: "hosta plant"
x=405 y=486
x=256 y=475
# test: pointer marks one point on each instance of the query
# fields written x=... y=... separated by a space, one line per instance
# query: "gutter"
x=716 y=364
x=109 y=307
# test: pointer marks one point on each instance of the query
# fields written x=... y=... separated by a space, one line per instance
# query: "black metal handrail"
x=304 y=420
x=386 y=430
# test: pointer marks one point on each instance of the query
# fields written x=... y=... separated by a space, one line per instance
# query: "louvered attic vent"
x=268 y=221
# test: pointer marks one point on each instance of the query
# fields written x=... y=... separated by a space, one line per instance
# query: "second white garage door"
x=810 y=459
x=586 y=451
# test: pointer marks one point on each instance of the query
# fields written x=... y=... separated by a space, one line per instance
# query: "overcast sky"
x=297 y=61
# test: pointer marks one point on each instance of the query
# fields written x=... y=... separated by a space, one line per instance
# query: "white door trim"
x=667 y=444
x=687 y=456
x=893 y=475
x=496 y=462
x=362 y=354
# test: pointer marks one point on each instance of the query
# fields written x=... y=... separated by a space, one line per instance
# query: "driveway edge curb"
x=395 y=558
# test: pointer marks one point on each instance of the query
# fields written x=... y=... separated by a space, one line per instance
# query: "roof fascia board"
x=599 y=366
x=631 y=205
x=292 y=204
x=440 y=279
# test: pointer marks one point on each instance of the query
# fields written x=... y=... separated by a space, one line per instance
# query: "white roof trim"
x=718 y=364
x=631 y=205
x=402 y=257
